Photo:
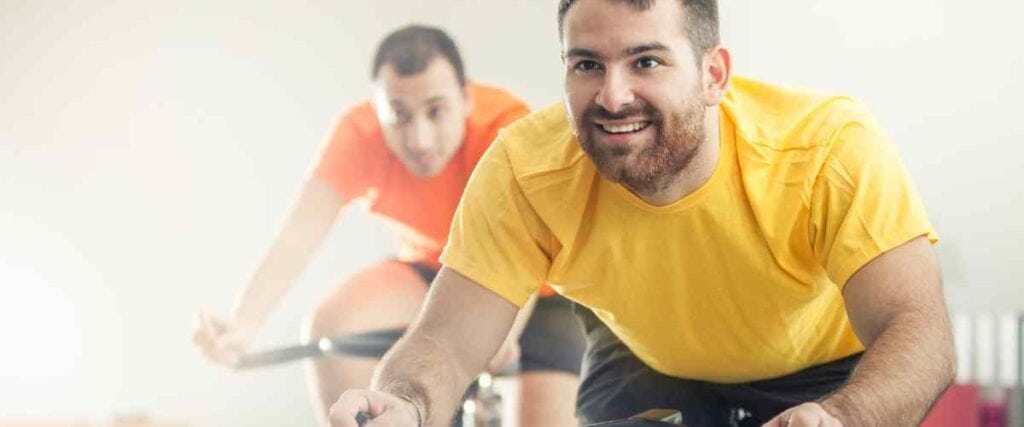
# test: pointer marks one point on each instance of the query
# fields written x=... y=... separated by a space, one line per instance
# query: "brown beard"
x=676 y=140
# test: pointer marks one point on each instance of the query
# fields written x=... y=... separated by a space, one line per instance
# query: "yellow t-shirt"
x=740 y=280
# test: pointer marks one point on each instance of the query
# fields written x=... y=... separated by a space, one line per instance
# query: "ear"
x=717 y=72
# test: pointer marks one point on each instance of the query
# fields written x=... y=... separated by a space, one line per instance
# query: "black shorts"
x=552 y=339
x=616 y=384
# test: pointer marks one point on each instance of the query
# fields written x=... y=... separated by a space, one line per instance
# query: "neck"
x=698 y=172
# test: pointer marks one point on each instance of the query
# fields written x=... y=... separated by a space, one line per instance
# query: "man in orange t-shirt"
x=409 y=152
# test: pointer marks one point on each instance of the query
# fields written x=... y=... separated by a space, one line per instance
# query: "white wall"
x=148 y=150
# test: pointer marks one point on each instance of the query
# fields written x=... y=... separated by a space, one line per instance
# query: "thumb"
x=347 y=410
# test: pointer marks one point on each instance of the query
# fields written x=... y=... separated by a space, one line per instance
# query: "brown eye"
x=587 y=66
x=647 y=63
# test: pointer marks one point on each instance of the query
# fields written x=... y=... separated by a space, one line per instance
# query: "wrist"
x=835 y=405
x=418 y=413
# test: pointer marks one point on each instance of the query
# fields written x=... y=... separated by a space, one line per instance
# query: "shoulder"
x=359 y=120
x=492 y=103
x=780 y=118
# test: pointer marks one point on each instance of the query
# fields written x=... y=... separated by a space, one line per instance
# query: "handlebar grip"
x=281 y=355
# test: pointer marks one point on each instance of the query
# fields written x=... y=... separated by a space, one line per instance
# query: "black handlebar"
x=367 y=344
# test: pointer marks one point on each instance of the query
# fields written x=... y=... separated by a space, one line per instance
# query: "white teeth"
x=632 y=127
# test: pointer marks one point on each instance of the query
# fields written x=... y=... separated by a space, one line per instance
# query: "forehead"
x=614 y=24
x=437 y=81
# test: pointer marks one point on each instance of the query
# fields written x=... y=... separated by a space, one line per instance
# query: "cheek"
x=452 y=133
x=393 y=138
x=578 y=95
x=575 y=107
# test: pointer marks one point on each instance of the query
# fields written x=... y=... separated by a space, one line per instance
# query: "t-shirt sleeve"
x=863 y=202
x=497 y=239
x=344 y=160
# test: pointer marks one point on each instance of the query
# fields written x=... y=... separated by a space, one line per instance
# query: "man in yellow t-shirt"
x=742 y=252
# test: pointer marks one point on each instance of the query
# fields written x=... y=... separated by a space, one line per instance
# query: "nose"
x=616 y=91
x=420 y=137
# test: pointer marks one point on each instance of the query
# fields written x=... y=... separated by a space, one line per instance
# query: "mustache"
x=596 y=112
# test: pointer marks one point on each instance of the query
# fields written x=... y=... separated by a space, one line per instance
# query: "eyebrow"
x=435 y=100
x=629 y=51
x=578 y=52
x=399 y=104
x=636 y=50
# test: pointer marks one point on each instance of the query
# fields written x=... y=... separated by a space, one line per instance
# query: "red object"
x=994 y=405
x=993 y=414
x=958 y=407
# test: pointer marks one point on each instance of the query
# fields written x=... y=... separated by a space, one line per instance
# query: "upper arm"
x=496 y=238
x=903 y=281
x=863 y=203
x=317 y=204
x=465 y=318
x=870 y=231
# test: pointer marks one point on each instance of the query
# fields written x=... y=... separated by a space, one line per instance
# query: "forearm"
x=280 y=267
x=900 y=376
x=311 y=218
x=459 y=329
x=427 y=373
x=523 y=317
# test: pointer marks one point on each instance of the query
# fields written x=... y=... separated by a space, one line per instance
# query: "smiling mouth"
x=624 y=128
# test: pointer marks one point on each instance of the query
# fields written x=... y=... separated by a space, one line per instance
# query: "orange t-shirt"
x=356 y=163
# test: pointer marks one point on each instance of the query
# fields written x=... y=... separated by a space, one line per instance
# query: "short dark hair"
x=410 y=49
x=701 y=20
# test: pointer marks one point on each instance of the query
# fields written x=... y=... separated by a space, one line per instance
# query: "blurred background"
x=149 y=150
